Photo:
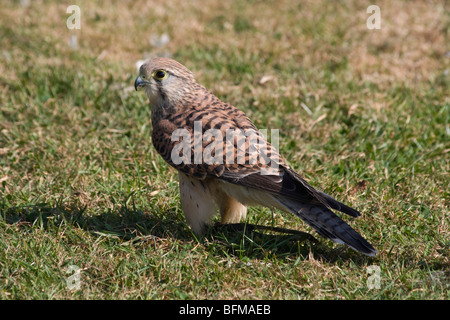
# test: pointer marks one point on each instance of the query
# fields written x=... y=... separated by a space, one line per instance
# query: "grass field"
x=363 y=115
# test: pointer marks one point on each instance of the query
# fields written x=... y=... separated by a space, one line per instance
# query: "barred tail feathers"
x=328 y=224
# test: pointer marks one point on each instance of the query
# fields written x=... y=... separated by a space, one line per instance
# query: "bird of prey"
x=225 y=163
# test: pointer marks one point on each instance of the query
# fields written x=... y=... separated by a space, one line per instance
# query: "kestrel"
x=225 y=163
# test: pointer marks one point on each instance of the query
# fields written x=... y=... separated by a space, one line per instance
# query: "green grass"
x=81 y=184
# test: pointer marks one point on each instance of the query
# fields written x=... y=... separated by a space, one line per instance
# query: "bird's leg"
x=231 y=210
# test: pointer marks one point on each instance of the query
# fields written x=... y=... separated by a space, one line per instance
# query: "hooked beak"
x=139 y=83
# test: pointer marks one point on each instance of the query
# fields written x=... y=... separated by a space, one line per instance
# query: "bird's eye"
x=159 y=74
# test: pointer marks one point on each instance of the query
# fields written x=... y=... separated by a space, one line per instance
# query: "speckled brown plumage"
x=179 y=102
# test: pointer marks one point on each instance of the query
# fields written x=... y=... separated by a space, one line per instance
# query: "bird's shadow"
x=259 y=241
x=130 y=223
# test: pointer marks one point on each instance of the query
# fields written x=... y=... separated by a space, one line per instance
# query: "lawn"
x=89 y=210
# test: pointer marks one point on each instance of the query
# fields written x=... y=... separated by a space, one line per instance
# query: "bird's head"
x=166 y=82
